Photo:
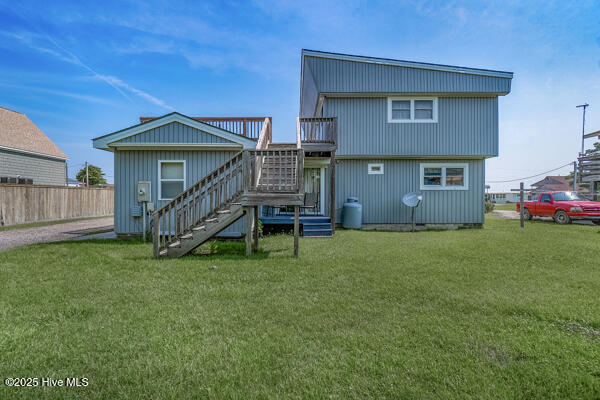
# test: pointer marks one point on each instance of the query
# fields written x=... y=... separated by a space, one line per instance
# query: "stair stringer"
x=202 y=236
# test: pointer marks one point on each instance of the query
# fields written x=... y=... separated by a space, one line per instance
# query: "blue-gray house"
x=368 y=127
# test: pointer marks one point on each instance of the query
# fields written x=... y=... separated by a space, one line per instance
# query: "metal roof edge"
x=408 y=64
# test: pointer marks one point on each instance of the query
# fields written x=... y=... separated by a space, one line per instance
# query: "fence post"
x=522 y=205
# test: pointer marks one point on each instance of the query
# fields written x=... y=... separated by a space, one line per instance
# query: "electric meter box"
x=143 y=192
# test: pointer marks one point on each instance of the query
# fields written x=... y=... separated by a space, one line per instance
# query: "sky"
x=85 y=69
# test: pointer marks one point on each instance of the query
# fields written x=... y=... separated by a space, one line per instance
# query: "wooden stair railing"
x=255 y=172
x=197 y=203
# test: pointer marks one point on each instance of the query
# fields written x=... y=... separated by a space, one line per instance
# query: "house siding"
x=467 y=126
x=43 y=171
x=341 y=76
x=142 y=165
x=174 y=132
x=381 y=195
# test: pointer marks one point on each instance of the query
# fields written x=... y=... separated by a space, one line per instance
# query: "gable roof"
x=108 y=141
x=19 y=133
x=553 y=183
x=408 y=64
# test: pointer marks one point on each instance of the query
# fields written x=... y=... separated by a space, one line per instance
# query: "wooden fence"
x=22 y=204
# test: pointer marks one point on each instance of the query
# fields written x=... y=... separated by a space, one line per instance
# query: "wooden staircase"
x=272 y=174
x=249 y=179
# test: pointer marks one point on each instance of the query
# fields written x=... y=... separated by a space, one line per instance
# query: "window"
x=546 y=198
x=417 y=109
x=437 y=176
x=375 y=169
x=171 y=177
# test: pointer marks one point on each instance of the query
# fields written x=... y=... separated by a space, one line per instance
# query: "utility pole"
x=575 y=176
x=584 y=106
x=87 y=176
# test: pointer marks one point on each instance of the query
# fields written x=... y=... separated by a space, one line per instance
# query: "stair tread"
x=224 y=212
x=211 y=220
x=199 y=228
x=187 y=236
x=162 y=252
x=175 y=244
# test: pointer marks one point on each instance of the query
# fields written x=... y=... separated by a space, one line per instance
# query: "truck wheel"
x=526 y=214
x=596 y=222
x=562 y=218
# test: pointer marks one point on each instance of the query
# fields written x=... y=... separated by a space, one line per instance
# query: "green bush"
x=489 y=206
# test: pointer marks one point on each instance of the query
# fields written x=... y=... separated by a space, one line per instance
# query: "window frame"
x=370 y=171
x=161 y=180
x=412 y=119
x=444 y=166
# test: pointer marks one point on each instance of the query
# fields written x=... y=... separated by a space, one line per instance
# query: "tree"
x=95 y=175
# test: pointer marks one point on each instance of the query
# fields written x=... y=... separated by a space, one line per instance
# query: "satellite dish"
x=412 y=200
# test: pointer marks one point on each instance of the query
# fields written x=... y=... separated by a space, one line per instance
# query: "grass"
x=506 y=206
x=498 y=312
x=46 y=223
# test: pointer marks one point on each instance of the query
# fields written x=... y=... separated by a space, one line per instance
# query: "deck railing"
x=275 y=171
x=318 y=130
x=589 y=168
x=249 y=127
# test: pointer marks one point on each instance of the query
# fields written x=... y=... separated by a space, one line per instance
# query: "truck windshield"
x=566 y=196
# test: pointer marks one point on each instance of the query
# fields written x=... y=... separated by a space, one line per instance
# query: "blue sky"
x=84 y=69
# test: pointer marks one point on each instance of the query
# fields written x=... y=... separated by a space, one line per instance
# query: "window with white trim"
x=444 y=176
x=171 y=178
x=415 y=109
x=375 y=169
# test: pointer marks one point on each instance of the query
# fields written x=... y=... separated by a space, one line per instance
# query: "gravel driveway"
x=52 y=233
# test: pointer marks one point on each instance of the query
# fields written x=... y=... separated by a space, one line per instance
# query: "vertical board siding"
x=467 y=126
x=341 y=76
x=21 y=204
x=309 y=96
x=174 y=132
x=381 y=195
x=134 y=166
x=43 y=171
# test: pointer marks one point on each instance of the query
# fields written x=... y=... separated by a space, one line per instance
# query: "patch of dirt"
x=573 y=327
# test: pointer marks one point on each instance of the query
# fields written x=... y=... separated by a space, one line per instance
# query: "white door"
x=314 y=183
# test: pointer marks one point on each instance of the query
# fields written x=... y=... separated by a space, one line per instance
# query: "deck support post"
x=332 y=192
x=296 y=229
x=155 y=234
x=255 y=229
x=248 y=211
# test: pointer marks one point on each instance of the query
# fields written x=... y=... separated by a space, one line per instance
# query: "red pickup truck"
x=563 y=207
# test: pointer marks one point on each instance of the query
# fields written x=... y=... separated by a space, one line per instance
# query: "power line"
x=532 y=176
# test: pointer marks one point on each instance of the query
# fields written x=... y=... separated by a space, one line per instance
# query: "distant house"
x=503 y=197
x=74 y=182
x=552 y=183
x=27 y=155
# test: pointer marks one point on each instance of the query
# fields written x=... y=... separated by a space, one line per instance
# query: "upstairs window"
x=438 y=176
x=171 y=179
x=417 y=109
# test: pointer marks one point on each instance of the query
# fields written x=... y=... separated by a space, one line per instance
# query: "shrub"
x=489 y=206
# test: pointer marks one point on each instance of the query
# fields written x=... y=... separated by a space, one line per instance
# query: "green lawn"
x=498 y=312
x=506 y=206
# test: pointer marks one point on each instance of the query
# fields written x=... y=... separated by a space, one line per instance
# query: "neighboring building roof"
x=109 y=141
x=553 y=183
x=18 y=133
x=409 y=64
